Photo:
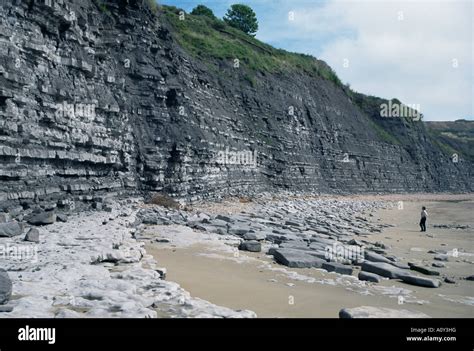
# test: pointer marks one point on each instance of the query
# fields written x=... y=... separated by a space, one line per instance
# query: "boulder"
x=420 y=281
x=297 y=258
x=383 y=269
x=422 y=269
x=10 y=229
x=370 y=277
x=252 y=246
x=471 y=278
x=61 y=217
x=32 y=235
x=5 y=287
x=6 y=309
x=43 y=218
x=379 y=312
x=449 y=280
x=438 y=264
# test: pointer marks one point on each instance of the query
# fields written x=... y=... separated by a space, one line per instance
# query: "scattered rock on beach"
x=383 y=269
x=441 y=257
x=252 y=246
x=5 y=287
x=378 y=312
x=43 y=218
x=438 y=264
x=297 y=258
x=420 y=281
x=370 y=277
x=10 y=229
x=422 y=269
x=32 y=235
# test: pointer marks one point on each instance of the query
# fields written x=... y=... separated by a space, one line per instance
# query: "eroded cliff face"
x=97 y=100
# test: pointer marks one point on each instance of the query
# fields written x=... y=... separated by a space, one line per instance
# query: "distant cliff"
x=455 y=137
x=105 y=97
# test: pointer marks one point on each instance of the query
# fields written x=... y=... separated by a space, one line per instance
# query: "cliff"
x=119 y=97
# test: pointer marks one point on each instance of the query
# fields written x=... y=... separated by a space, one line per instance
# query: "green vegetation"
x=201 y=10
x=453 y=137
x=102 y=6
x=213 y=40
x=242 y=17
x=153 y=6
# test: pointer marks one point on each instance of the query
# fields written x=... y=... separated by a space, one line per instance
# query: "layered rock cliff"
x=101 y=97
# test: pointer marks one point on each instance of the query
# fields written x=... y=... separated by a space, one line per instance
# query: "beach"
x=211 y=270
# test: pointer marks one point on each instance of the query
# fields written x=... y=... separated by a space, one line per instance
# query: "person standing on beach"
x=424 y=215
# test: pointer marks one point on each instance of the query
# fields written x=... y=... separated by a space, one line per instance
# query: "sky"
x=419 y=51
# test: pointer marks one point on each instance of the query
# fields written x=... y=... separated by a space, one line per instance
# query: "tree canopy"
x=242 y=17
x=201 y=10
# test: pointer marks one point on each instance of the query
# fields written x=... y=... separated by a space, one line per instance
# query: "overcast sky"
x=419 y=51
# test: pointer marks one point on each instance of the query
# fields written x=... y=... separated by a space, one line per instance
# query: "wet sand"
x=253 y=281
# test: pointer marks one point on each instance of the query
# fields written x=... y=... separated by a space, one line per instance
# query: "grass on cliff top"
x=213 y=39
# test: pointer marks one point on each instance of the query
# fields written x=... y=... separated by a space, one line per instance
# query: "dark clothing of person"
x=423 y=224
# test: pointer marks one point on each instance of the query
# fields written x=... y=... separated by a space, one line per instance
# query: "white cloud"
x=411 y=58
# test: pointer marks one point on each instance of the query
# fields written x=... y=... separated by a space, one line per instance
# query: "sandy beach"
x=211 y=269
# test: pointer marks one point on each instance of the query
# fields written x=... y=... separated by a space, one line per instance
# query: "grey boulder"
x=43 y=218
x=32 y=235
x=10 y=229
x=252 y=246
x=5 y=287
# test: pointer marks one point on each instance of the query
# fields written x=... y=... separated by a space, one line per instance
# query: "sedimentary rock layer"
x=96 y=100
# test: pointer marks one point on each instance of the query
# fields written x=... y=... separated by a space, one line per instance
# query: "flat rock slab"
x=10 y=229
x=420 y=281
x=379 y=312
x=297 y=258
x=337 y=268
x=370 y=277
x=5 y=287
x=422 y=269
x=375 y=257
x=441 y=257
x=383 y=269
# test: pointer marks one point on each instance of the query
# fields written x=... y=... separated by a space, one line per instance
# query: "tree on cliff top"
x=242 y=17
x=201 y=10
